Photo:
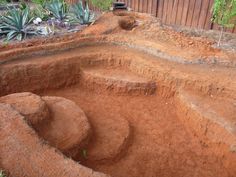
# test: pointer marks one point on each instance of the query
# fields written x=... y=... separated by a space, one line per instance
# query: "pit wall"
x=55 y=74
x=59 y=73
x=218 y=139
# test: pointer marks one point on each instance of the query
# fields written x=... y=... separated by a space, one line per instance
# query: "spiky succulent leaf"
x=83 y=14
x=58 y=8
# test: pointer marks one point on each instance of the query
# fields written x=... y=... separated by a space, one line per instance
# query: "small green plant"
x=58 y=8
x=83 y=14
x=15 y=24
x=102 y=4
x=84 y=153
x=224 y=14
x=2 y=174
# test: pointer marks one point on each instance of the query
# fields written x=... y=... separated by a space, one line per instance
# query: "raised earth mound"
x=126 y=97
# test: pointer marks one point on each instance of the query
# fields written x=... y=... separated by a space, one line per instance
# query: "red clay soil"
x=27 y=155
x=159 y=146
x=159 y=103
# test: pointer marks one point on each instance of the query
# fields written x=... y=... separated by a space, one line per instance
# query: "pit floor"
x=160 y=145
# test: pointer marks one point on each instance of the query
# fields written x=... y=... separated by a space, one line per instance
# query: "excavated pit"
x=132 y=113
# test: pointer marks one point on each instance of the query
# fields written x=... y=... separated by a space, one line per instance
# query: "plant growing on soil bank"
x=15 y=24
x=224 y=14
x=82 y=13
x=102 y=4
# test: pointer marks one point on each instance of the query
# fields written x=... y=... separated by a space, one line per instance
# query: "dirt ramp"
x=24 y=154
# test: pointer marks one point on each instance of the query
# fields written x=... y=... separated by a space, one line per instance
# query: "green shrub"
x=102 y=4
x=224 y=14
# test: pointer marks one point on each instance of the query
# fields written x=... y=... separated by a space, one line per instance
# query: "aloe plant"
x=15 y=24
x=83 y=14
x=58 y=8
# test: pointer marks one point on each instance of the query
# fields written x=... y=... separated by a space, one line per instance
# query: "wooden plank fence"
x=191 y=13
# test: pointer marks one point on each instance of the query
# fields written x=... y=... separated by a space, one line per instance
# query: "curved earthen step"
x=116 y=80
x=110 y=139
x=214 y=118
x=23 y=153
x=68 y=128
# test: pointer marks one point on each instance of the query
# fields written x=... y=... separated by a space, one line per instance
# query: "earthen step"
x=116 y=80
x=209 y=117
x=110 y=138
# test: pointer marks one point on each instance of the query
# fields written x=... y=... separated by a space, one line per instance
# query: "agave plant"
x=15 y=24
x=58 y=8
x=83 y=14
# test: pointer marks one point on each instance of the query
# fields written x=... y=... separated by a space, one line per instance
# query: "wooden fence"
x=191 y=13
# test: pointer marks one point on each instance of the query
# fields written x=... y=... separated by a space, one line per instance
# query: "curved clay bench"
x=23 y=153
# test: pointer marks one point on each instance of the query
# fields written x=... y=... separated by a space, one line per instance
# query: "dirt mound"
x=68 y=128
x=24 y=154
x=31 y=106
